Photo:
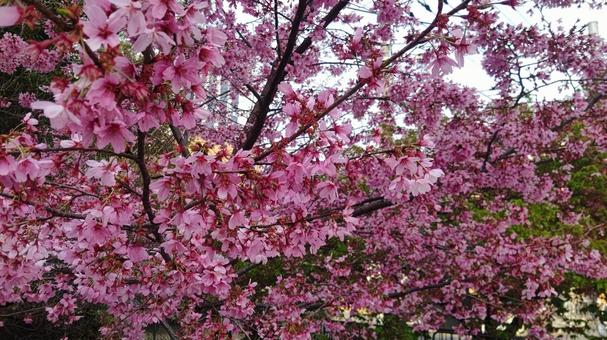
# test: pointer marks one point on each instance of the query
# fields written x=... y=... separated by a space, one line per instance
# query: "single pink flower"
x=131 y=10
x=137 y=254
x=160 y=7
x=327 y=190
x=114 y=133
x=102 y=91
x=212 y=55
x=74 y=141
x=365 y=72
x=462 y=47
x=237 y=219
x=442 y=65
x=102 y=170
x=9 y=16
x=96 y=233
x=153 y=36
x=216 y=37
x=27 y=168
x=100 y=31
x=57 y=114
x=162 y=188
x=182 y=74
x=7 y=164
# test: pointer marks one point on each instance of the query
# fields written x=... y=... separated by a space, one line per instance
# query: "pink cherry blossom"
x=102 y=170
x=131 y=9
x=264 y=171
x=114 y=133
x=57 y=114
x=100 y=30
x=442 y=65
x=7 y=164
x=9 y=16
x=137 y=254
x=182 y=74
x=153 y=36
x=160 y=7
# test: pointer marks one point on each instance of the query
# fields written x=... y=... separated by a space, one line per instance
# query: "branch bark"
x=145 y=193
x=183 y=148
x=418 y=289
x=258 y=115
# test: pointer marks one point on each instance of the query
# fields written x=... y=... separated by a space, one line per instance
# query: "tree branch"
x=418 y=289
x=108 y=152
x=372 y=206
x=361 y=83
x=258 y=115
x=330 y=17
x=591 y=103
x=183 y=148
x=277 y=32
x=52 y=211
x=145 y=192
x=488 y=151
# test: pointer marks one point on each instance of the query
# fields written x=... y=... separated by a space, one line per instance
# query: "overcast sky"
x=472 y=73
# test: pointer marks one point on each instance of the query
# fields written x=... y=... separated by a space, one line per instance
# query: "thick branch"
x=267 y=98
x=183 y=148
x=330 y=17
x=52 y=211
x=145 y=176
x=489 y=149
x=259 y=113
x=145 y=191
x=108 y=152
x=370 y=207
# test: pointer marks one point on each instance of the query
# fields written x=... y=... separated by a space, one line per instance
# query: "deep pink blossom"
x=216 y=170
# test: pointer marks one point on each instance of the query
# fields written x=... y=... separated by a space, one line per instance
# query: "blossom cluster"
x=356 y=180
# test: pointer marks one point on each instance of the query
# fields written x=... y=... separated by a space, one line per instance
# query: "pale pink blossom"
x=442 y=65
x=162 y=188
x=160 y=7
x=153 y=36
x=9 y=15
x=137 y=254
x=114 y=133
x=183 y=73
x=101 y=31
x=132 y=10
x=57 y=114
x=103 y=170
x=7 y=164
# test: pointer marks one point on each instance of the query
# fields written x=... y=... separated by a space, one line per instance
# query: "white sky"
x=472 y=73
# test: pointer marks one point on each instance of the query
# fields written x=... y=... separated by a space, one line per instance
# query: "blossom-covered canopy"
x=266 y=168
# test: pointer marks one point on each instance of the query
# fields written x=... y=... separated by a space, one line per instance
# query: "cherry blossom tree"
x=331 y=177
